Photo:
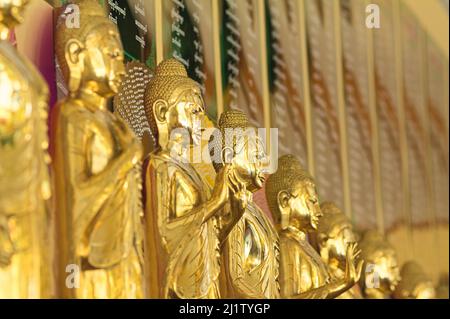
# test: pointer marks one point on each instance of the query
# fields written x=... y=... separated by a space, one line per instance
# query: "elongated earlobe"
x=74 y=60
x=160 y=109
x=283 y=206
x=227 y=155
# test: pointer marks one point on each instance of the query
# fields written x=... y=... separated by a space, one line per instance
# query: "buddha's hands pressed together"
x=240 y=194
x=129 y=147
x=353 y=270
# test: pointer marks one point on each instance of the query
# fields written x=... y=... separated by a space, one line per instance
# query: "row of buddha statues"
x=84 y=215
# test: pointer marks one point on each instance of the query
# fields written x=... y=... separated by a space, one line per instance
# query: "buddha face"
x=247 y=161
x=99 y=61
x=303 y=206
x=187 y=113
x=337 y=243
x=386 y=268
x=12 y=12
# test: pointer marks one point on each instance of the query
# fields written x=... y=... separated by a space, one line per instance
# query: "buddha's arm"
x=205 y=210
x=231 y=215
x=295 y=268
x=328 y=291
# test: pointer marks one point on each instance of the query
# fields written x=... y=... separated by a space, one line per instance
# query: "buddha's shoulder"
x=288 y=243
x=73 y=109
x=293 y=244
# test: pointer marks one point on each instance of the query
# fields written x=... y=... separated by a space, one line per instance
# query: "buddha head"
x=11 y=13
x=91 y=56
x=173 y=101
x=415 y=284
x=382 y=273
x=237 y=143
x=292 y=196
x=334 y=234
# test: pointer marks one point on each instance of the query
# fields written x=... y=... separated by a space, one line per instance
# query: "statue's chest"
x=258 y=241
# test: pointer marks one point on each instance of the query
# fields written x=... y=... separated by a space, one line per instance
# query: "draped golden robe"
x=251 y=258
x=99 y=209
x=25 y=220
x=301 y=268
x=183 y=251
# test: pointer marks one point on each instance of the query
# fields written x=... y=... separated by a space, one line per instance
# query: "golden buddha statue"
x=293 y=201
x=381 y=274
x=25 y=188
x=98 y=188
x=183 y=218
x=415 y=284
x=334 y=234
x=251 y=250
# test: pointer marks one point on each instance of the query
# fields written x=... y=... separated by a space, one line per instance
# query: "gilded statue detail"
x=415 y=284
x=294 y=203
x=382 y=273
x=334 y=234
x=25 y=188
x=182 y=215
x=251 y=250
x=98 y=187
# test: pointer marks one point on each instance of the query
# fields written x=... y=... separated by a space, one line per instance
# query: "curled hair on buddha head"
x=169 y=83
x=91 y=15
x=230 y=119
x=333 y=220
x=289 y=173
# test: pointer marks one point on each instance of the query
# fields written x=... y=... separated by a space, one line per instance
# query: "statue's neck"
x=93 y=99
x=4 y=32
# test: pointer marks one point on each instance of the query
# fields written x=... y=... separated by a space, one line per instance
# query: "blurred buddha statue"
x=333 y=236
x=381 y=274
x=442 y=287
x=183 y=217
x=251 y=250
x=415 y=284
x=293 y=201
x=25 y=188
x=98 y=187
